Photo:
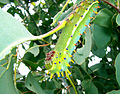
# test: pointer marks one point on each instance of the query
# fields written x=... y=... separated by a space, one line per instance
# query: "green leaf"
x=99 y=69
x=118 y=19
x=117 y=67
x=101 y=36
x=95 y=67
x=56 y=83
x=32 y=28
x=49 y=91
x=30 y=61
x=12 y=33
x=12 y=11
x=34 y=50
x=2 y=70
x=89 y=87
x=100 y=52
x=112 y=2
x=104 y=18
x=71 y=90
x=4 y=1
x=77 y=74
x=30 y=64
x=84 y=52
x=114 y=92
x=52 y=10
x=6 y=78
x=33 y=85
x=51 y=85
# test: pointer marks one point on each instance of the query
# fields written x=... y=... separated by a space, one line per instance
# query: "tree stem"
x=111 y=5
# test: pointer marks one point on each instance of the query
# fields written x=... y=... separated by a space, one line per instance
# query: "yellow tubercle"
x=74 y=51
x=68 y=65
x=72 y=61
x=51 y=76
x=70 y=55
x=58 y=74
x=68 y=72
x=62 y=74
x=79 y=41
x=95 y=12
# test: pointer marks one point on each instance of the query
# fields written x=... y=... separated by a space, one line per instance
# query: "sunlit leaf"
x=117 y=67
x=12 y=33
x=34 y=50
x=118 y=19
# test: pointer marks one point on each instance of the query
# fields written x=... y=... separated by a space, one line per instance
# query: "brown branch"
x=111 y=5
x=26 y=92
x=43 y=45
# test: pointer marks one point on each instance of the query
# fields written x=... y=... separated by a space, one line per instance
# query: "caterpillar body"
x=72 y=28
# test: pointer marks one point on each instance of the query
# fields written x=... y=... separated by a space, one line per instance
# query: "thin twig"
x=111 y=5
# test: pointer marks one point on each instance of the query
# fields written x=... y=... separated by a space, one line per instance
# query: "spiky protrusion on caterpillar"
x=59 y=63
x=75 y=25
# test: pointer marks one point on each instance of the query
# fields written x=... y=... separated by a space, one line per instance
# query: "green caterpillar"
x=72 y=28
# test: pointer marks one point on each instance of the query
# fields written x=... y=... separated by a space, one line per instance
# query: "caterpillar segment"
x=74 y=26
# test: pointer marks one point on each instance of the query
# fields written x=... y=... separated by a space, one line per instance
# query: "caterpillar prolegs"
x=72 y=28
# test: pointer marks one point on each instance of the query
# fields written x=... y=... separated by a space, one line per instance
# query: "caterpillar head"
x=48 y=59
x=57 y=63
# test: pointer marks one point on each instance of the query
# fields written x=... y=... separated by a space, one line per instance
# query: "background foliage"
x=100 y=78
